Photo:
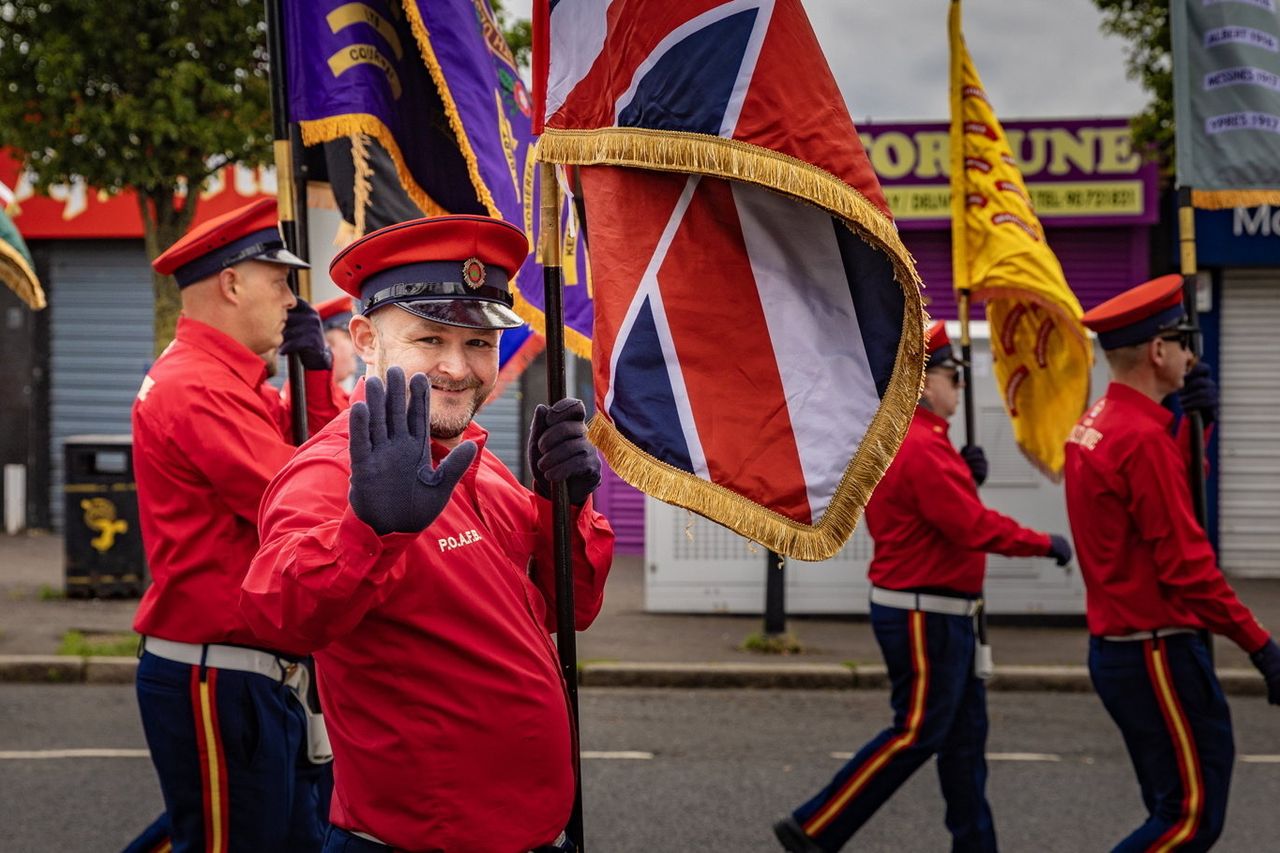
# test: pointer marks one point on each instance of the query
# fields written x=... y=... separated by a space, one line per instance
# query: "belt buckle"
x=289 y=672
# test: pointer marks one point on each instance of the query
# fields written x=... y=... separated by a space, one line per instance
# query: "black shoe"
x=793 y=837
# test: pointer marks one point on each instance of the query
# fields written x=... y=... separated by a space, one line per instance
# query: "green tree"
x=151 y=95
x=1145 y=25
x=518 y=33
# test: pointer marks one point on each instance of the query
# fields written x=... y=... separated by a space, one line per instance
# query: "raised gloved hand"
x=1267 y=660
x=1060 y=549
x=304 y=335
x=1200 y=393
x=977 y=462
x=559 y=450
x=395 y=488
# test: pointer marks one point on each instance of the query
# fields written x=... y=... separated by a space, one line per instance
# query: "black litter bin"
x=104 y=555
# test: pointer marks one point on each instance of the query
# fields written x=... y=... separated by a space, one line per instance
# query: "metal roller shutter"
x=101 y=310
x=1248 y=454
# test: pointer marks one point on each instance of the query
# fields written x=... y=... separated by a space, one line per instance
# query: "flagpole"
x=566 y=636
x=286 y=198
x=1195 y=422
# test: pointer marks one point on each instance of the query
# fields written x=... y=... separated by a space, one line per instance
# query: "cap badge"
x=473 y=273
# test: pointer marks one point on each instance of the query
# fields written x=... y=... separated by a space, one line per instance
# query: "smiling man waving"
x=418 y=569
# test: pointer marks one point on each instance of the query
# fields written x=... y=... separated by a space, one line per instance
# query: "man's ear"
x=229 y=285
x=364 y=337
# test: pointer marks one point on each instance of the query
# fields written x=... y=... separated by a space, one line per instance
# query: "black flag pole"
x=566 y=637
x=286 y=199
x=1195 y=422
x=970 y=437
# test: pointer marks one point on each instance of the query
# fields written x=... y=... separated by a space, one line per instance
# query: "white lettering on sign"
x=448 y=543
x=1259 y=221
x=1242 y=35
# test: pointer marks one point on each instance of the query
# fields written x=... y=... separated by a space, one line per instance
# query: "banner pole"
x=1195 y=423
x=286 y=198
x=566 y=636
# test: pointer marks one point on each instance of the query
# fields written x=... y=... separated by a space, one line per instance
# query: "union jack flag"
x=757 y=341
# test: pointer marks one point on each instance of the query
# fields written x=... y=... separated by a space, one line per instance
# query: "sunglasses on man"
x=1184 y=338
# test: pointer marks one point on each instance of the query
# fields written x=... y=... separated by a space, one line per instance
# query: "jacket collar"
x=931 y=421
x=1145 y=406
x=245 y=364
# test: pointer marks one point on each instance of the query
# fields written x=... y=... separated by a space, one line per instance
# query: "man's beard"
x=451 y=425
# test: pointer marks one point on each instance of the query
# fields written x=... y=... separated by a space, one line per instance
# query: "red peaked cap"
x=1138 y=314
x=938 y=347
x=247 y=233
x=334 y=313
x=429 y=267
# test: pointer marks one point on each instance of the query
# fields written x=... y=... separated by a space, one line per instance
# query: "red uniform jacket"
x=1146 y=561
x=207 y=439
x=929 y=526
x=440 y=683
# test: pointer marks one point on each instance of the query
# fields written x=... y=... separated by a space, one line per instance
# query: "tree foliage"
x=1144 y=24
x=517 y=31
x=152 y=95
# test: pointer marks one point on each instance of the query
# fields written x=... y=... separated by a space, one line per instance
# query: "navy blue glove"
x=1200 y=393
x=1267 y=660
x=559 y=450
x=1060 y=549
x=304 y=335
x=394 y=486
x=977 y=462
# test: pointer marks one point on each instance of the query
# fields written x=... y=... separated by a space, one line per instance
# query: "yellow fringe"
x=732 y=159
x=1224 y=199
x=450 y=108
x=693 y=153
x=577 y=343
x=362 y=185
x=17 y=274
x=333 y=127
x=758 y=523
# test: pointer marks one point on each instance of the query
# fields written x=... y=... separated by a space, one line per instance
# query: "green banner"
x=1226 y=93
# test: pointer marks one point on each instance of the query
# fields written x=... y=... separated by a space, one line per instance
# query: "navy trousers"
x=939 y=708
x=1165 y=697
x=230 y=751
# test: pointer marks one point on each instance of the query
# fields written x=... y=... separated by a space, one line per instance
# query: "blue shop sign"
x=1240 y=237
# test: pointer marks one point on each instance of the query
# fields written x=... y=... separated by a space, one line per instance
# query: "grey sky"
x=1037 y=58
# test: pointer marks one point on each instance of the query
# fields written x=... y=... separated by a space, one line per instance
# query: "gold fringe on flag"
x=423 y=38
x=1226 y=199
x=18 y=276
x=702 y=154
x=334 y=127
x=363 y=184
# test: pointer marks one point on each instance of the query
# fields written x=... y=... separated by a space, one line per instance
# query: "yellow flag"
x=1042 y=355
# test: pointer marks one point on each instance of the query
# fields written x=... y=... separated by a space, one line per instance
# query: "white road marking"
x=991 y=756
x=39 y=754
x=622 y=754
x=1260 y=759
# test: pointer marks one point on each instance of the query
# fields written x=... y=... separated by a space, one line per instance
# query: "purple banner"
x=1078 y=171
x=436 y=84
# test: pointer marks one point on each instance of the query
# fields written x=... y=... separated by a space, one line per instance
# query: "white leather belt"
x=1148 y=635
x=925 y=601
x=222 y=657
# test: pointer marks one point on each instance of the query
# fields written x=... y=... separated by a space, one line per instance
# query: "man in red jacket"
x=419 y=570
x=225 y=730
x=1151 y=575
x=932 y=535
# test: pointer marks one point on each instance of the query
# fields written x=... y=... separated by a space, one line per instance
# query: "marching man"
x=1152 y=578
x=419 y=571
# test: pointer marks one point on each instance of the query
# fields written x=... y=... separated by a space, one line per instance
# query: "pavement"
x=626 y=647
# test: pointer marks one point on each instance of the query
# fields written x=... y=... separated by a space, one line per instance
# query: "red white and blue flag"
x=757 y=341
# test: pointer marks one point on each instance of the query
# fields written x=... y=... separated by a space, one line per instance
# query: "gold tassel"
x=423 y=38
x=1225 y=199
x=333 y=127
x=362 y=185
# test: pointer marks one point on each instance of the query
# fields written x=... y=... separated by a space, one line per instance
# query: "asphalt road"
x=723 y=765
